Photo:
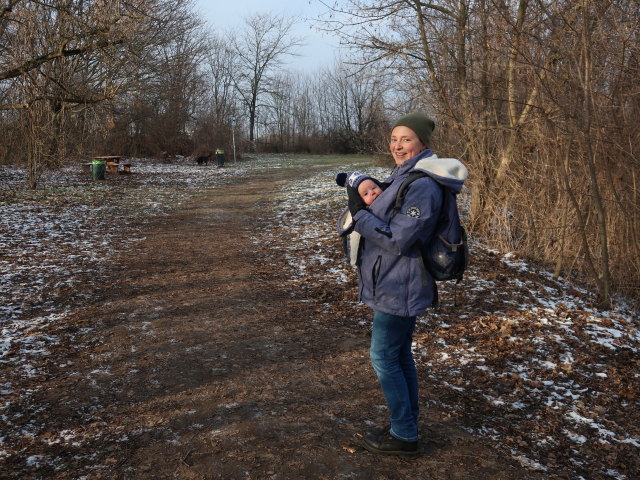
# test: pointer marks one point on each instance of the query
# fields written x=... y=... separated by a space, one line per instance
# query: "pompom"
x=341 y=179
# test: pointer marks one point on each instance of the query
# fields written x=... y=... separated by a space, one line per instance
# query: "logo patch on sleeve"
x=413 y=212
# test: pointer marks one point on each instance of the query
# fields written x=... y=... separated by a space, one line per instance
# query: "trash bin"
x=98 y=168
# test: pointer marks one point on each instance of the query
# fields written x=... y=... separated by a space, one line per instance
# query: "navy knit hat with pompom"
x=353 y=179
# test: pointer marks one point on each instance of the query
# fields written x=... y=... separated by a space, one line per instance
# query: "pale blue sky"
x=320 y=48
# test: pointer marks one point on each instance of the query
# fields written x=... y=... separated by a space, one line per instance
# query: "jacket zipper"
x=376 y=273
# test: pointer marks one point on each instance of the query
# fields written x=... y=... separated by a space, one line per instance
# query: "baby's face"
x=369 y=191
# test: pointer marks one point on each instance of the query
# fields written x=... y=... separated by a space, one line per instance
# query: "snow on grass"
x=58 y=245
x=301 y=206
x=51 y=238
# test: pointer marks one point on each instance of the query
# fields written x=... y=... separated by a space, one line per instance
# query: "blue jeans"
x=392 y=360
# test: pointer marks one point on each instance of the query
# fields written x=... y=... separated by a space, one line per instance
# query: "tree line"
x=539 y=97
x=147 y=77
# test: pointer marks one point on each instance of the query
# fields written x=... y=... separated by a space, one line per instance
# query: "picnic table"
x=113 y=164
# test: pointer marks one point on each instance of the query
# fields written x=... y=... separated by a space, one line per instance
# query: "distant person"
x=392 y=278
x=220 y=157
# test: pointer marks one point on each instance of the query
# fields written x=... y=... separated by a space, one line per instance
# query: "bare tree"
x=221 y=72
x=304 y=117
x=279 y=121
x=160 y=107
x=356 y=98
x=219 y=100
x=73 y=54
x=260 y=51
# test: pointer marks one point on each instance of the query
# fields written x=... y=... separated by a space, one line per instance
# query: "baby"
x=369 y=189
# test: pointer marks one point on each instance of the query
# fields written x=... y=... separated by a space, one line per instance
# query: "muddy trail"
x=204 y=362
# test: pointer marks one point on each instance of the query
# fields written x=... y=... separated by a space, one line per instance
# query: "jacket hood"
x=345 y=222
x=448 y=172
x=350 y=237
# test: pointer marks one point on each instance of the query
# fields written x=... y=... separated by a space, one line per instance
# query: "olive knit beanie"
x=418 y=122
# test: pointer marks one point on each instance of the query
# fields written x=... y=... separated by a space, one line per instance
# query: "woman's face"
x=404 y=144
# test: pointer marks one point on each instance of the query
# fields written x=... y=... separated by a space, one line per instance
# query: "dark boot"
x=388 y=445
x=377 y=431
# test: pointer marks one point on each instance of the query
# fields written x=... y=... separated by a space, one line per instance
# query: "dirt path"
x=201 y=363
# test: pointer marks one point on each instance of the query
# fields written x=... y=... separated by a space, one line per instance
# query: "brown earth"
x=203 y=362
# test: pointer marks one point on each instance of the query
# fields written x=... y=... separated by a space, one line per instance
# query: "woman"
x=392 y=277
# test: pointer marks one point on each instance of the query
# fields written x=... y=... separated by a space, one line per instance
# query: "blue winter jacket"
x=392 y=277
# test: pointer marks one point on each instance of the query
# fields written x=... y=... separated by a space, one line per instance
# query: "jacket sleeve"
x=415 y=221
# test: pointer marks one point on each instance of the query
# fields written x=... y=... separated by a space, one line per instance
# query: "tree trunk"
x=563 y=238
x=579 y=215
x=590 y=137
